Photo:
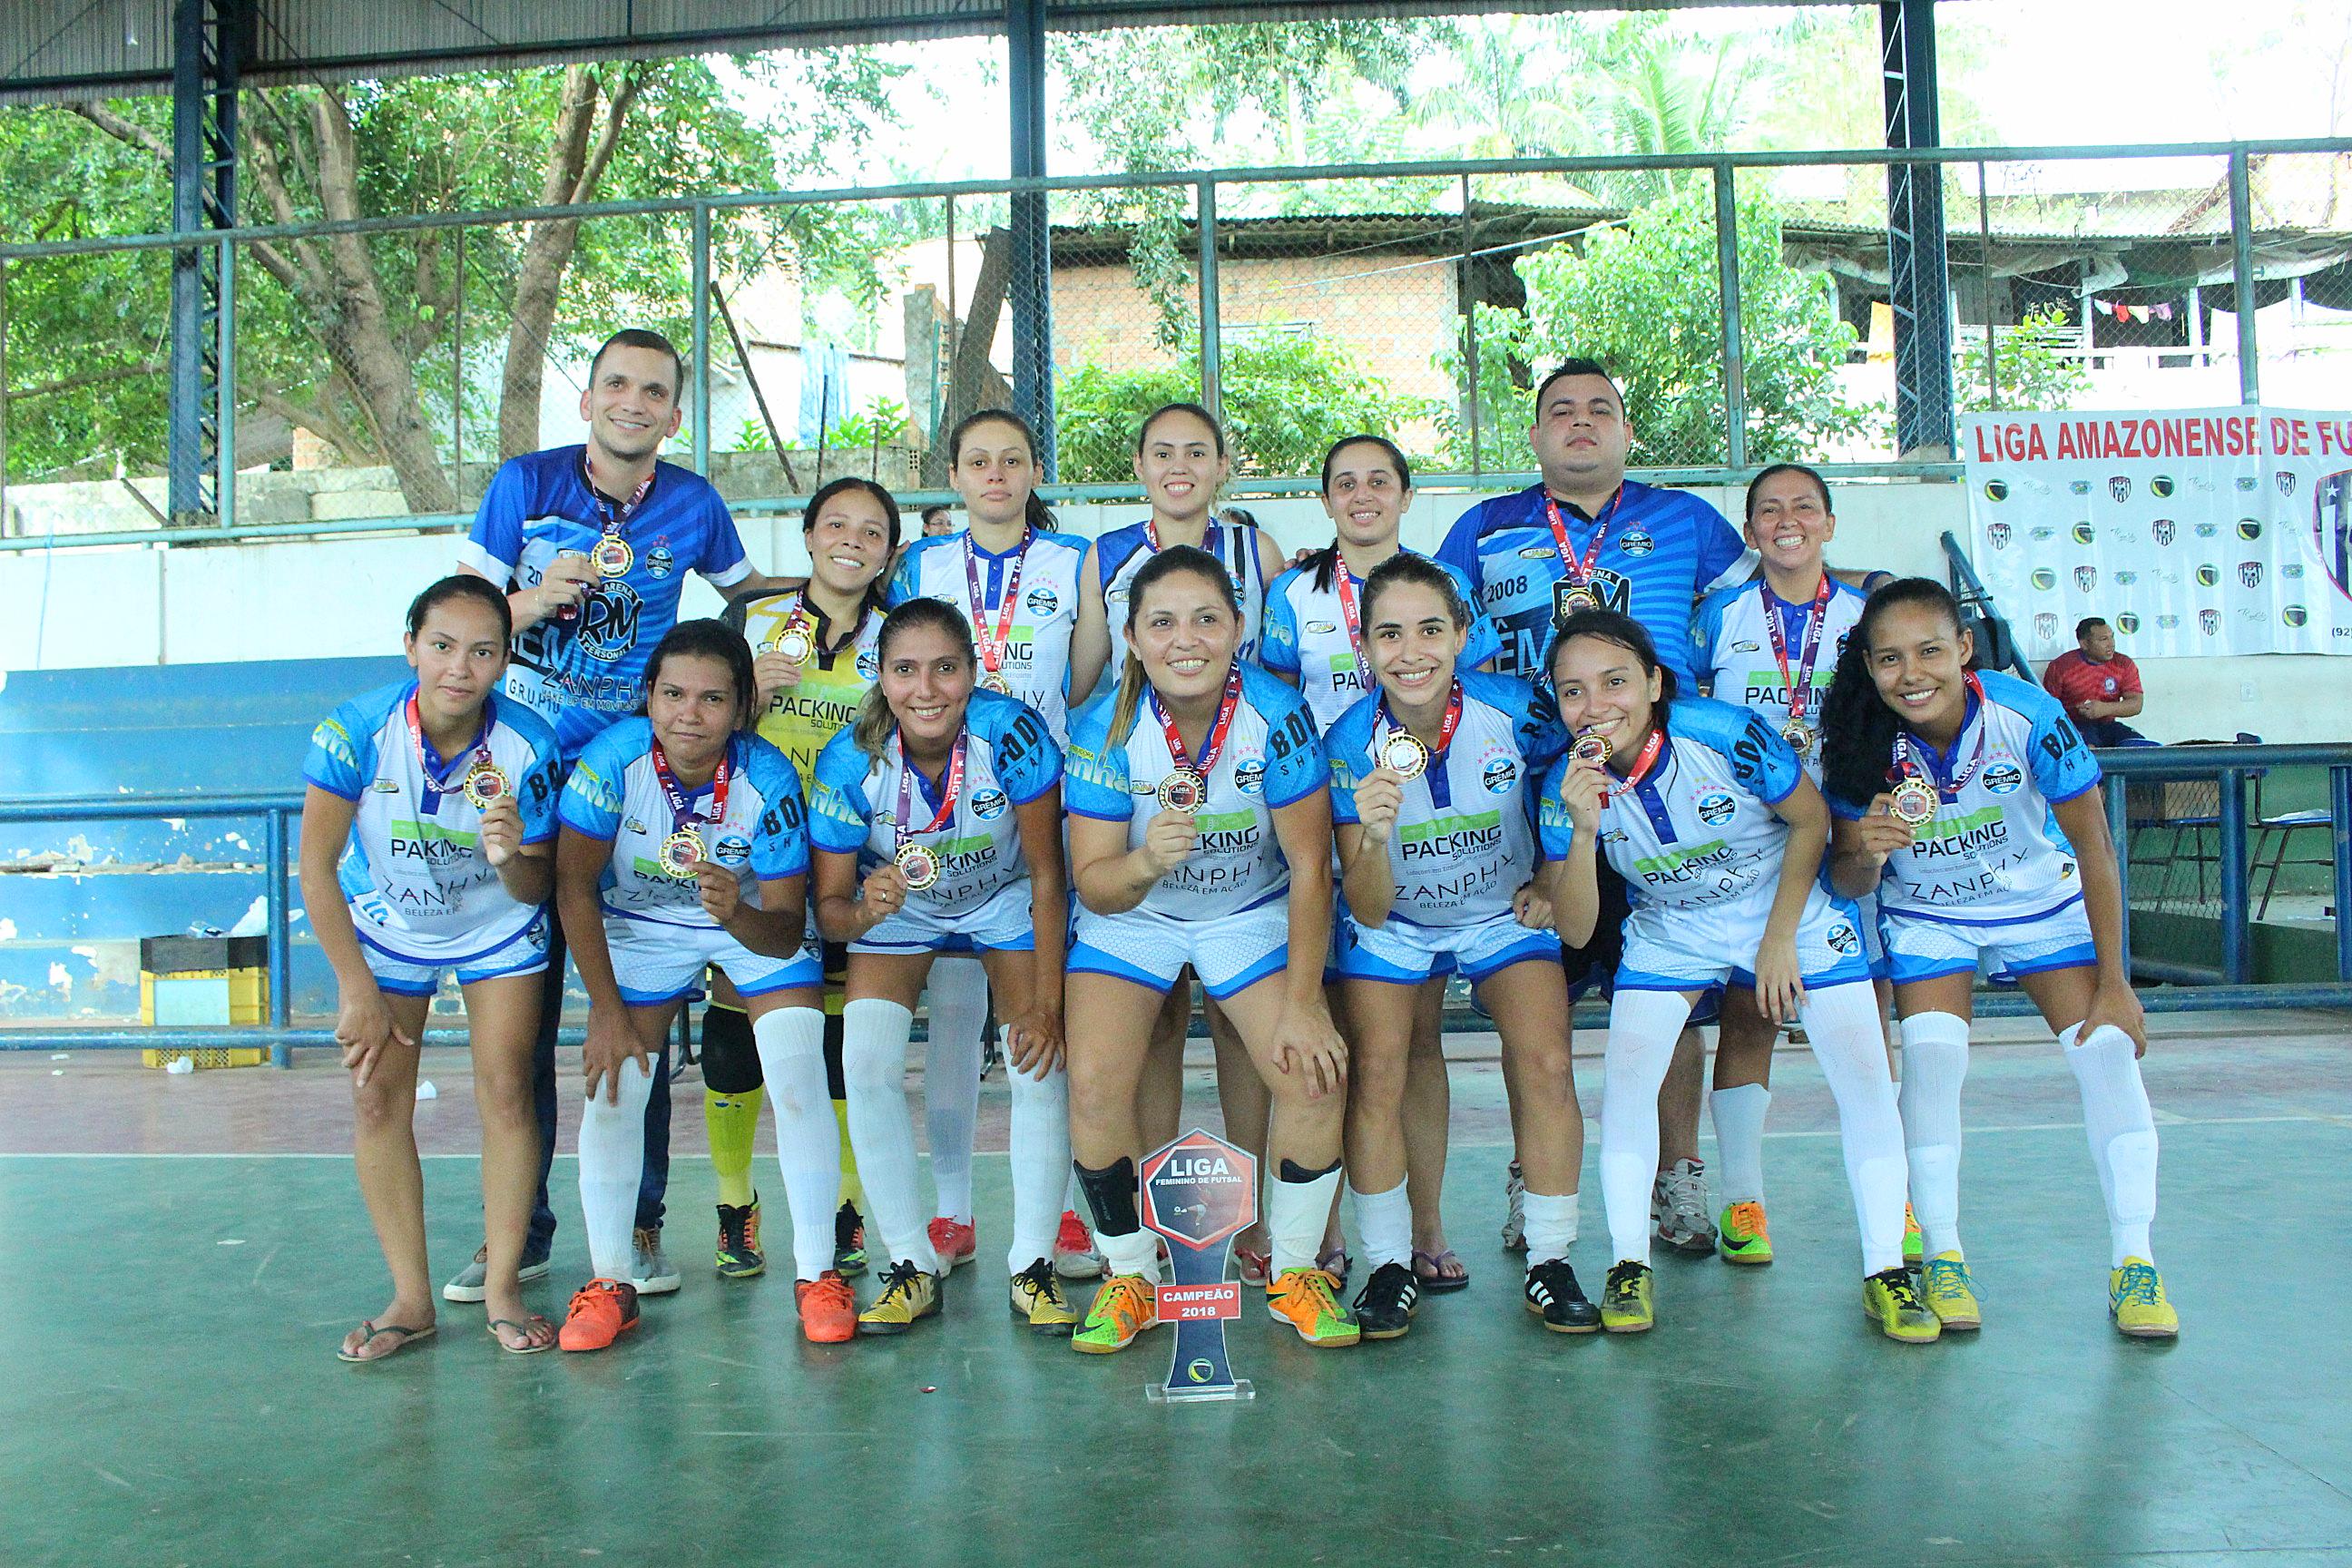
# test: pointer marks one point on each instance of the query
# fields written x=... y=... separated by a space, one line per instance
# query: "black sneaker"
x=1554 y=1295
x=739 y=1257
x=1385 y=1306
x=848 y=1242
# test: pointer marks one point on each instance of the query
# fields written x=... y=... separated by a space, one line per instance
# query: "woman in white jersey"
x=427 y=830
x=1969 y=803
x=1200 y=836
x=684 y=846
x=1017 y=579
x=1433 y=784
x=938 y=829
x=1718 y=834
x=1315 y=640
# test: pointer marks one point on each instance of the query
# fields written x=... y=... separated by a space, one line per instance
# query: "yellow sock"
x=734 y=1121
x=852 y=1193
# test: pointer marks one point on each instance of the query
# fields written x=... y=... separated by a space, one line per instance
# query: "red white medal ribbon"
x=1642 y=765
x=1906 y=766
x=993 y=649
x=1216 y=740
x=902 y=824
x=681 y=805
x=1799 y=686
x=444 y=782
x=1451 y=722
x=1577 y=568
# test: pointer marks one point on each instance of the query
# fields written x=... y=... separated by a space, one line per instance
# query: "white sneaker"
x=1515 y=1218
x=472 y=1283
x=1678 y=1208
x=651 y=1271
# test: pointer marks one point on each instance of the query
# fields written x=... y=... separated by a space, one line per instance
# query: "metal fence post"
x=1469 y=303
x=2236 y=957
x=1212 y=343
x=1727 y=273
x=225 y=392
x=702 y=339
x=282 y=984
x=2119 y=832
x=2242 y=264
x=1984 y=292
x=2339 y=814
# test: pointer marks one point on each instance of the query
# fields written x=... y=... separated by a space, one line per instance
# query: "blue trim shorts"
x=657 y=963
x=1230 y=953
x=1003 y=924
x=1696 y=950
x=1919 y=948
x=1403 y=953
x=525 y=952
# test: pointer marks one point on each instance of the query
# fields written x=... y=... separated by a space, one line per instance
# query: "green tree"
x=2033 y=372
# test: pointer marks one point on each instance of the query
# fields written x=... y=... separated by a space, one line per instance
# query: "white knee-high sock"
x=958 y=999
x=791 y=1041
x=874 y=1034
x=1384 y=1225
x=1040 y=1143
x=1842 y=1022
x=1738 y=1116
x=1935 y=1065
x=1642 y=1027
x=1294 y=1214
x=612 y=1165
x=2122 y=1130
x=1551 y=1227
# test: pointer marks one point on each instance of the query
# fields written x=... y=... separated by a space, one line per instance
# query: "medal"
x=683 y=847
x=993 y=647
x=1188 y=782
x=485 y=785
x=1800 y=736
x=1922 y=794
x=1403 y=755
x=917 y=866
x=680 y=852
x=994 y=682
x=1593 y=749
x=1914 y=801
x=1800 y=684
x=1182 y=791
x=916 y=863
x=441 y=780
x=1574 y=592
x=1570 y=599
x=612 y=556
x=795 y=643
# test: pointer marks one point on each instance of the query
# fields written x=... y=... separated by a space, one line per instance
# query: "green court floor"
x=171 y=1395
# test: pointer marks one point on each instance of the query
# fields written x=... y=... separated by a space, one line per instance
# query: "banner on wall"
x=2192 y=531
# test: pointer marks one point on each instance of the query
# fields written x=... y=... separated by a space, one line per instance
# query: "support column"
x=210 y=41
x=1919 y=285
x=1031 y=285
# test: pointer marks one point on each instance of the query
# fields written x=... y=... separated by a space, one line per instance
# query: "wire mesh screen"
x=87 y=417
x=1125 y=320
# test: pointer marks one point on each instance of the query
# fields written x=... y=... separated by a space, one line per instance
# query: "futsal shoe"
x=1625 y=1304
x=828 y=1309
x=848 y=1241
x=652 y=1271
x=1951 y=1294
x=739 y=1257
x=1124 y=1306
x=602 y=1311
x=1075 y=1257
x=907 y=1294
x=1515 y=1211
x=472 y=1283
x=1385 y=1306
x=1309 y=1300
x=1914 y=1245
x=1553 y=1295
x=1037 y=1297
x=1678 y=1207
x=1741 y=1236
x=2137 y=1302
x=1892 y=1301
x=956 y=1242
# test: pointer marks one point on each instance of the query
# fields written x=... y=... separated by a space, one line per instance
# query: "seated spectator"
x=2098 y=687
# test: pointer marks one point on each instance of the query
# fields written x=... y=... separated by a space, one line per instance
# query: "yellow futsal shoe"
x=1125 y=1305
x=1951 y=1294
x=907 y=1294
x=1625 y=1303
x=1892 y=1301
x=1309 y=1300
x=1037 y=1297
x=1741 y=1235
x=2137 y=1302
x=1915 y=1245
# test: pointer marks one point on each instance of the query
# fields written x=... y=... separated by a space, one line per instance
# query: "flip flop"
x=1256 y=1267
x=1436 y=1282
x=371 y=1331
x=525 y=1329
x=1335 y=1261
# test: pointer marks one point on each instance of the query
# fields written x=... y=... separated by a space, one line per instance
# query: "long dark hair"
x=1037 y=514
x=710 y=639
x=463 y=585
x=875 y=722
x=1625 y=632
x=1177 y=560
x=1326 y=560
x=878 y=592
x=1858 y=726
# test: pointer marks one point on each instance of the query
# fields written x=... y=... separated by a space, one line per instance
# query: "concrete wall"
x=303 y=599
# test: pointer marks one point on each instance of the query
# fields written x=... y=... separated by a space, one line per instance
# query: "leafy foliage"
x=2033 y=372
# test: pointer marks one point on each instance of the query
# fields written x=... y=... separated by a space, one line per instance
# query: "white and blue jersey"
x=1037 y=658
x=982 y=892
x=1122 y=553
x=587 y=672
x=1664 y=549
x=1731 y=643
x=1306 y=638
x=615 y=796
x=420 y=890
x=1700 y=849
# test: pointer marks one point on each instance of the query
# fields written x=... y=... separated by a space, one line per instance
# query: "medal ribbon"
x=1642 y=765
x=444 y=782
x=1579 y=569
x=1446 y=729
x=1904 y=766
x=681 y=805
x=1800 y=687
x=902 y=824
x=1213 y=540
x=993 y=649
x=1216 y=741
x=614 y=517
x=1345 y=581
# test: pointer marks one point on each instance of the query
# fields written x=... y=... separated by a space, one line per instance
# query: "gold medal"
x=795 y=643
x=1403 y=755
x=1591 y=748
x=485 y=785
x=1800 y=736
x=994 y=682
x=680 y=852
x=1914 y=801
x=612 y=556
x=1182 y=791
x=917 y=865
x=1573 y=598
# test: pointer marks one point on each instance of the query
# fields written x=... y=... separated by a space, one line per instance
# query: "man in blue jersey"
x=593 y=543
x=1588 y=537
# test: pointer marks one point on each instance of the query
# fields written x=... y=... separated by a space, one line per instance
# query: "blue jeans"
x=654 y=1184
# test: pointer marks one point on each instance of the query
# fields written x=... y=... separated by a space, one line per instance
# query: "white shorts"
x=1002 y=924
x=656 y=961
x=1918 y=948
x=1692 y=950
x=1230 y=953
x=1873 y=945
x=525 y=952
x=1406 y=954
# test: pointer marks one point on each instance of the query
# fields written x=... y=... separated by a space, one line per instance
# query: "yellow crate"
x=211 y=1057
x=246 y=993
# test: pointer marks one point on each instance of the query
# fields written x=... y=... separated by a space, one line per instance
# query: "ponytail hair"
x=874 y=723
x=1037 y=513
x=713 y=640
x=1325 y=563
x=1403 y=568
x=1177 y=560
x=1858 y=726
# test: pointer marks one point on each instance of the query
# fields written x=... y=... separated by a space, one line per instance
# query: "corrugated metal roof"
x=66 y=48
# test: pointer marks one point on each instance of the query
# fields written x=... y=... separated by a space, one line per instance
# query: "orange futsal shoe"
x=828 y=1309
x=602 y=1311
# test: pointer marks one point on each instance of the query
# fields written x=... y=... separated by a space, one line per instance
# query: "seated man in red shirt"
x=2098 y=687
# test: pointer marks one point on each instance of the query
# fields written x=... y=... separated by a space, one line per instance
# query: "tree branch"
x=87 y=378
x=632 y=82
x=121 y=129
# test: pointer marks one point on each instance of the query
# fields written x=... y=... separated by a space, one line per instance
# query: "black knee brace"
x=730 y=1058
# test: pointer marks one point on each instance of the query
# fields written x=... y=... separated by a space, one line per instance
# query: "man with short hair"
x=593 y=543
x=2098 y=687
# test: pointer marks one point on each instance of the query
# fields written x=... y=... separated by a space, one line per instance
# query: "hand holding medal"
x=567 y=580
x=721 y=892
x=782 y=659
x=915 y=865
x=501 y=830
